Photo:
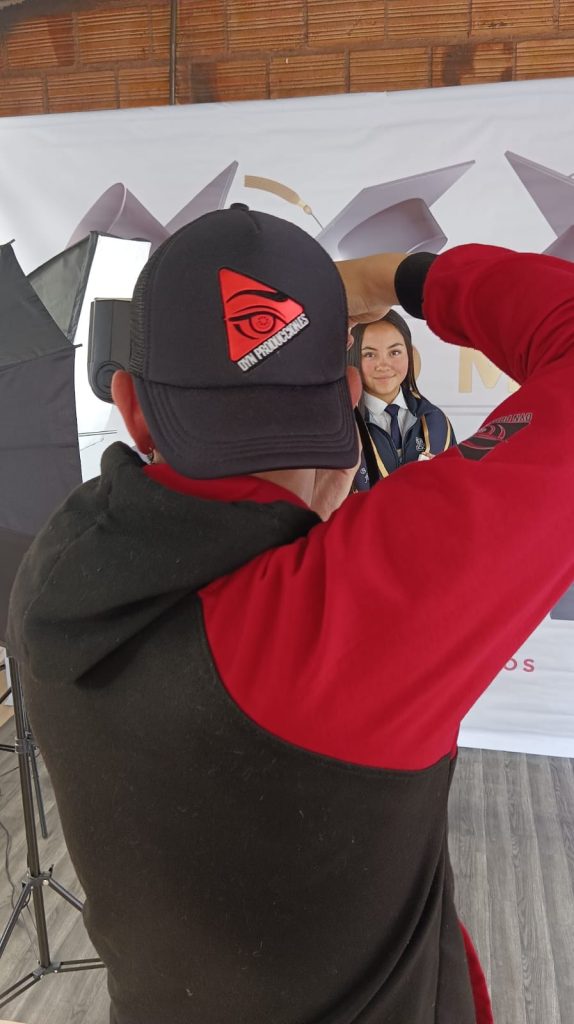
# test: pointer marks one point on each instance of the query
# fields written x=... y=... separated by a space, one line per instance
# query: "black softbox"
x=39 y=454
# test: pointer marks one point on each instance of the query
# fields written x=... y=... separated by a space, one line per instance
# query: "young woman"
x=397 y=425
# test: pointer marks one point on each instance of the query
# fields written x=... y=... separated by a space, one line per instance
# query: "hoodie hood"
x=122 y=551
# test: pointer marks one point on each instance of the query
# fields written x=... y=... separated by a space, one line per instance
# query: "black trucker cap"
x=238 y=340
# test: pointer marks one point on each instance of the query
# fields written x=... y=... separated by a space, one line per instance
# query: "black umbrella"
x=39 y=456
x=39 y=466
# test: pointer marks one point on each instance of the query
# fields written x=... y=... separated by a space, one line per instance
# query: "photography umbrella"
x=98 y=266
x=39 y=456
x=39 y=466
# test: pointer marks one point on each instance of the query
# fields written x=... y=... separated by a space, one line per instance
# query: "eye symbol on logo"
x=253 y=323
x=487 y=436
x=254 y=312
x=490 y=436
x=494 y=431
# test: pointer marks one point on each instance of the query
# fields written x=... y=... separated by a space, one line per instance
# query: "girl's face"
x=384 y=360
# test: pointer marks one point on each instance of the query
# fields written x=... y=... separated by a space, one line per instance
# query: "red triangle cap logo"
x=254 y=312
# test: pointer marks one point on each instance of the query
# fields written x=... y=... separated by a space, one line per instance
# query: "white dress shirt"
x=376 y=408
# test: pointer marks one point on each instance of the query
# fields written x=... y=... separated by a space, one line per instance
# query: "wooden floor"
x=512 y=848
x=512 y=844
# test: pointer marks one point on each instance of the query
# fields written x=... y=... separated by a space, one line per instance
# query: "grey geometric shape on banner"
x=118 y=212
x=393 y=215
x=563 y=247
x=212 y=197
x=552 y=191
x=409 y=224
x=564 y=610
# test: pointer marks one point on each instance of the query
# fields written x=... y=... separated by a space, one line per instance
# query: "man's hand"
x=370 y=285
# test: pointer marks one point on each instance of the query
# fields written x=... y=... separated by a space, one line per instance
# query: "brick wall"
x=88 y=56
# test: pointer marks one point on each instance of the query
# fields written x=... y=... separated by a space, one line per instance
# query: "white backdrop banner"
x=324 y=152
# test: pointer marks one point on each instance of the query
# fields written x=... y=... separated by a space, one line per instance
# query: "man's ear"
x=126 y=399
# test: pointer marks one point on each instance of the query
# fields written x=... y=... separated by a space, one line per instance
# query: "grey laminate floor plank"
x=539 y=979
x=562 y=772
x=468 y=851
x=504 y=947
x=557 y=882
x=512 y=840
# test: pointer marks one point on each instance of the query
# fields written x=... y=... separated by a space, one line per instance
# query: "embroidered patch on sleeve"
x=492 y=434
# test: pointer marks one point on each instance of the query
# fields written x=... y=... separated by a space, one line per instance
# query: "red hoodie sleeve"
x=370 y=639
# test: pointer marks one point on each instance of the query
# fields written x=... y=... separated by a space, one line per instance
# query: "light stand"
x=10 y=749
x=36 y=879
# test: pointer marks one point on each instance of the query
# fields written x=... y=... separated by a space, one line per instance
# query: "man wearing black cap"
x=256 y=809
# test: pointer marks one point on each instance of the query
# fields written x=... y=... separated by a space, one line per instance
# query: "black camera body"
x=109 y=343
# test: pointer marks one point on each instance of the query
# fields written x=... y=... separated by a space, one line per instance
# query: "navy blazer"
x=432 y=433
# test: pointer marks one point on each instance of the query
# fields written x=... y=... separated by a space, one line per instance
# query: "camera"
x=108 y=343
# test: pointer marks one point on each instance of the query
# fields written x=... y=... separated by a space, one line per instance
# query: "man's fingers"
x=369 y=285
x=370 y=316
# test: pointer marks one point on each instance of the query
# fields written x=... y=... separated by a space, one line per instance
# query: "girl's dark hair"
x=354 y=353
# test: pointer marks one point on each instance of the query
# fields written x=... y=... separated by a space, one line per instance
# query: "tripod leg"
x=37 y=879
x=16 y=990
x=23 y=901
x=23 y=750
x=35 y=776
x=75 y=902
x=38 y=791
x=41 y=928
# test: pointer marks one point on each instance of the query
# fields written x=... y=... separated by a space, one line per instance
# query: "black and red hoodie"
x=253 y=784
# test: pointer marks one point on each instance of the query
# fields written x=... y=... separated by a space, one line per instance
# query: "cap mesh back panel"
x=138 y=326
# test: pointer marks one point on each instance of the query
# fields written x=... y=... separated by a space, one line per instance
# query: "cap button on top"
x=239 y=206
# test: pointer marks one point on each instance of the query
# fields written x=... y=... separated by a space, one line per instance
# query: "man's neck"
x=300 y=482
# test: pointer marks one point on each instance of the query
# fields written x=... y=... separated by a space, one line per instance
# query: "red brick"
x=412 y=20
x=161 y=28
x=468 y=64
x=82 y=90
x=144 y=87
x=513 y=17
x=229 y=80
x=107 y=36
x=265 y=24
x=307 y=76
x=566 y=21
x=43 y=42
x=396 y=68
x=345 y=21
x=183 y=81
x=201 y=28
x=21 y=95
x=544 y=58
